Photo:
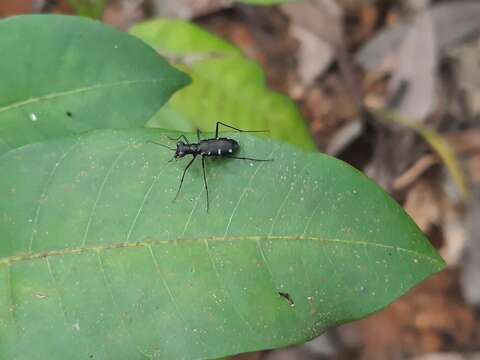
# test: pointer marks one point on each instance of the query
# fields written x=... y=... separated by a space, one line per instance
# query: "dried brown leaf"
x=453 y=23
x=416 y=69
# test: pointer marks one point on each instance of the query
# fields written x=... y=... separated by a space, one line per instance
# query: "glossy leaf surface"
x=64 y=74
x=96 y=261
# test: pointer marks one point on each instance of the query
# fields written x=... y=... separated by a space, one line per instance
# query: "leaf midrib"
x=93 y=87
x=147 y=243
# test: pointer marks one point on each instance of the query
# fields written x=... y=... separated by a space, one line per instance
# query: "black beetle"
x=214 y=147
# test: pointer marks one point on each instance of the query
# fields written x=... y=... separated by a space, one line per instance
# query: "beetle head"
x=181 y=150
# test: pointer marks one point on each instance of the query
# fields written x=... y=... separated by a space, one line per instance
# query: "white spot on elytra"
x=209 y=153
x=219 y=152
x=33 y=117
x=230 y=151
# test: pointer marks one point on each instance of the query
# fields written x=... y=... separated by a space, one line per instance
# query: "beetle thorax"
x=182 y=149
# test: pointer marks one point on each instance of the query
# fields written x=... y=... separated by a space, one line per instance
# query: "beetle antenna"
x=259 y=131
x=156 y=143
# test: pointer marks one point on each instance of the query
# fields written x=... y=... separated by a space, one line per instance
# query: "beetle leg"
x=183 y=176
x=234 y=128
x=180 y=137
x=246 y=158
x=205 y=180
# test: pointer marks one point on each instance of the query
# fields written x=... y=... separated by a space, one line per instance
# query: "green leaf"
x=226 y=86
x=64 y=74
x=96 y=261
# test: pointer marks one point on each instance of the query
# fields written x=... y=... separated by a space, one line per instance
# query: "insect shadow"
x=214 y=147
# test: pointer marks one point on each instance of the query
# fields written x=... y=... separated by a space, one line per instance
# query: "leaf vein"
x=242 y=195
x=11 y=299
x=73 y=92
x=310 y=218
x=222 y=284
x=45 y=191
x=274 y=283
x=280 y=208
x=142 y=205
x=147 y=242
x=57 y=290
x=187 y=223
x=112 y=298
x=99 y=194
x=172 y=298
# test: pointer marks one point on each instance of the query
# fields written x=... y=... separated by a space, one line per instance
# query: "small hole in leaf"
x=287 y=297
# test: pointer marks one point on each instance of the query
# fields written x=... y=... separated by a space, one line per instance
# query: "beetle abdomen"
x=218 y=147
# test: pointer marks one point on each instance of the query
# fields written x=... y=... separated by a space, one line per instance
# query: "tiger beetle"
x=213 y=147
